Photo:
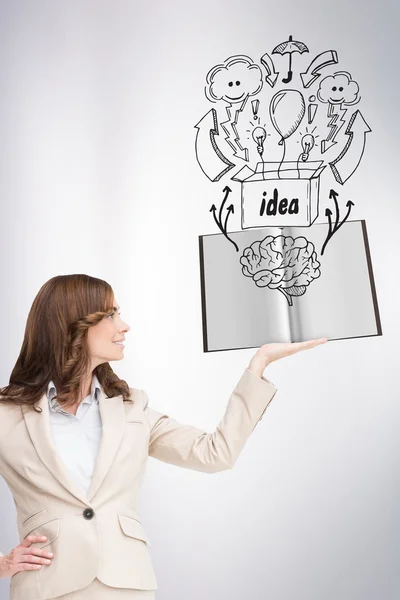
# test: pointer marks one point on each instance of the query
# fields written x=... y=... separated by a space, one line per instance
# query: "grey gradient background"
x=98 y=106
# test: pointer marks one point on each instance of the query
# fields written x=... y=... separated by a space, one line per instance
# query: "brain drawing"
x=281 y=263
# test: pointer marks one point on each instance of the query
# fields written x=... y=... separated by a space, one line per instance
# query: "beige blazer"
x=102 y=535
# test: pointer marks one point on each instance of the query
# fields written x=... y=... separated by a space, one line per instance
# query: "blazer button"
x=88 y=513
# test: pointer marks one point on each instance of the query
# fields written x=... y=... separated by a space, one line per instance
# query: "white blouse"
x=77 y=437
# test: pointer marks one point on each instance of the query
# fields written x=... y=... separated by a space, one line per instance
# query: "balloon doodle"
x=287 y=109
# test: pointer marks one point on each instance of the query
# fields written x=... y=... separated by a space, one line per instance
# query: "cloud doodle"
x=338 y=89
x=234 y=80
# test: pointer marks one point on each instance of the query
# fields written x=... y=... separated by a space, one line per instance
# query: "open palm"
x=272 y=352
x=268 y=353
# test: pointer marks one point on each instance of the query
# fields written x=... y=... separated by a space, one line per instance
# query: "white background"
x=98 y=175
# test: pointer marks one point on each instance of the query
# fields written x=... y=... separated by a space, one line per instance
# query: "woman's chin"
x=117 y=355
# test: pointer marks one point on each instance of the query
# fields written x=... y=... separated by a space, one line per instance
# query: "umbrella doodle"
x=290 y=47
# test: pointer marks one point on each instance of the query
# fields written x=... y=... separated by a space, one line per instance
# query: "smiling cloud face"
x=234 y=80
x=338 y=89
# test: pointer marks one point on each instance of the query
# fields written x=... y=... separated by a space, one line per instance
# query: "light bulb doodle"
x=259 y=134
x=307 y=143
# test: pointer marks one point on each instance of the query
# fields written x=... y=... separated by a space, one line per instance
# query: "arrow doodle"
x=227 y=190
x=334 y=196
x=328 y=213
x=231 y=210
x=210 y=158
x=272 y=75
x=321 y=61
x=348 y=160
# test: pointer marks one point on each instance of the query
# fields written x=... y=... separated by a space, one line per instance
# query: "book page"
x=239 y=308
x=340 y=302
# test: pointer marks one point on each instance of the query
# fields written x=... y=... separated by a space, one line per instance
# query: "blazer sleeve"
x=192 y=448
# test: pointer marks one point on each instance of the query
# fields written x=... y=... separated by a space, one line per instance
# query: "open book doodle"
x=279 y=288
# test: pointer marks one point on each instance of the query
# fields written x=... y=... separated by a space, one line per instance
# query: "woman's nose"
x=125 y=327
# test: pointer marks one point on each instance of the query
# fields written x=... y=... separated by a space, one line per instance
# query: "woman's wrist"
x=258 y=365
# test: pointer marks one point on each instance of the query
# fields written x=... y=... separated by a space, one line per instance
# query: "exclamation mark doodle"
x=255 y=104
x=312 y=109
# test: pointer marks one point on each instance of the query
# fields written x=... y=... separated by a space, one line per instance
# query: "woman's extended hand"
x=271 y=352
x=25 y=558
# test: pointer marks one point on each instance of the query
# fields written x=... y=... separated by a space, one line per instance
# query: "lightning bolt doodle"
x=348 y=160
x=334 y=112
x=230 y=128
x=211 y=159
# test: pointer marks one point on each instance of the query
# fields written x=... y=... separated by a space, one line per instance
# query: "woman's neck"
x=86 y=385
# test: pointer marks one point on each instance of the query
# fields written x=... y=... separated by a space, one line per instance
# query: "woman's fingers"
x=32 y=539
x=298 y=346
x=25 y=557
x=272 y=352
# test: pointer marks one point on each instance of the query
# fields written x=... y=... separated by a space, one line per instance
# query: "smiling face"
x=105 y=339
x=336 y=95
x=236 y=92
x=235 y=80
x=338 y=89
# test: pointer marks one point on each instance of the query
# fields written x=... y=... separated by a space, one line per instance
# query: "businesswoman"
x=75 y=439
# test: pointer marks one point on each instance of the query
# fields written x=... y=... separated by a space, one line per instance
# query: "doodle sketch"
x=281 y=125
x=211 y=159
x=332 y=229
x=344 y=165
x=281 y=263
x=287 y=109
x=280 y=195
x=241 y=132
x=233 y=82
x=229 y=211
x=323 y=60
x=337 y=90
x=339 y=303
x=290 y=47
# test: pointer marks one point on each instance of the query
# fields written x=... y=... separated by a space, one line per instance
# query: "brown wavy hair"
x=55 y=342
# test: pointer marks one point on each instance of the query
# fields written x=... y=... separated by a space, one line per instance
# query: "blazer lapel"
x=112 y=413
